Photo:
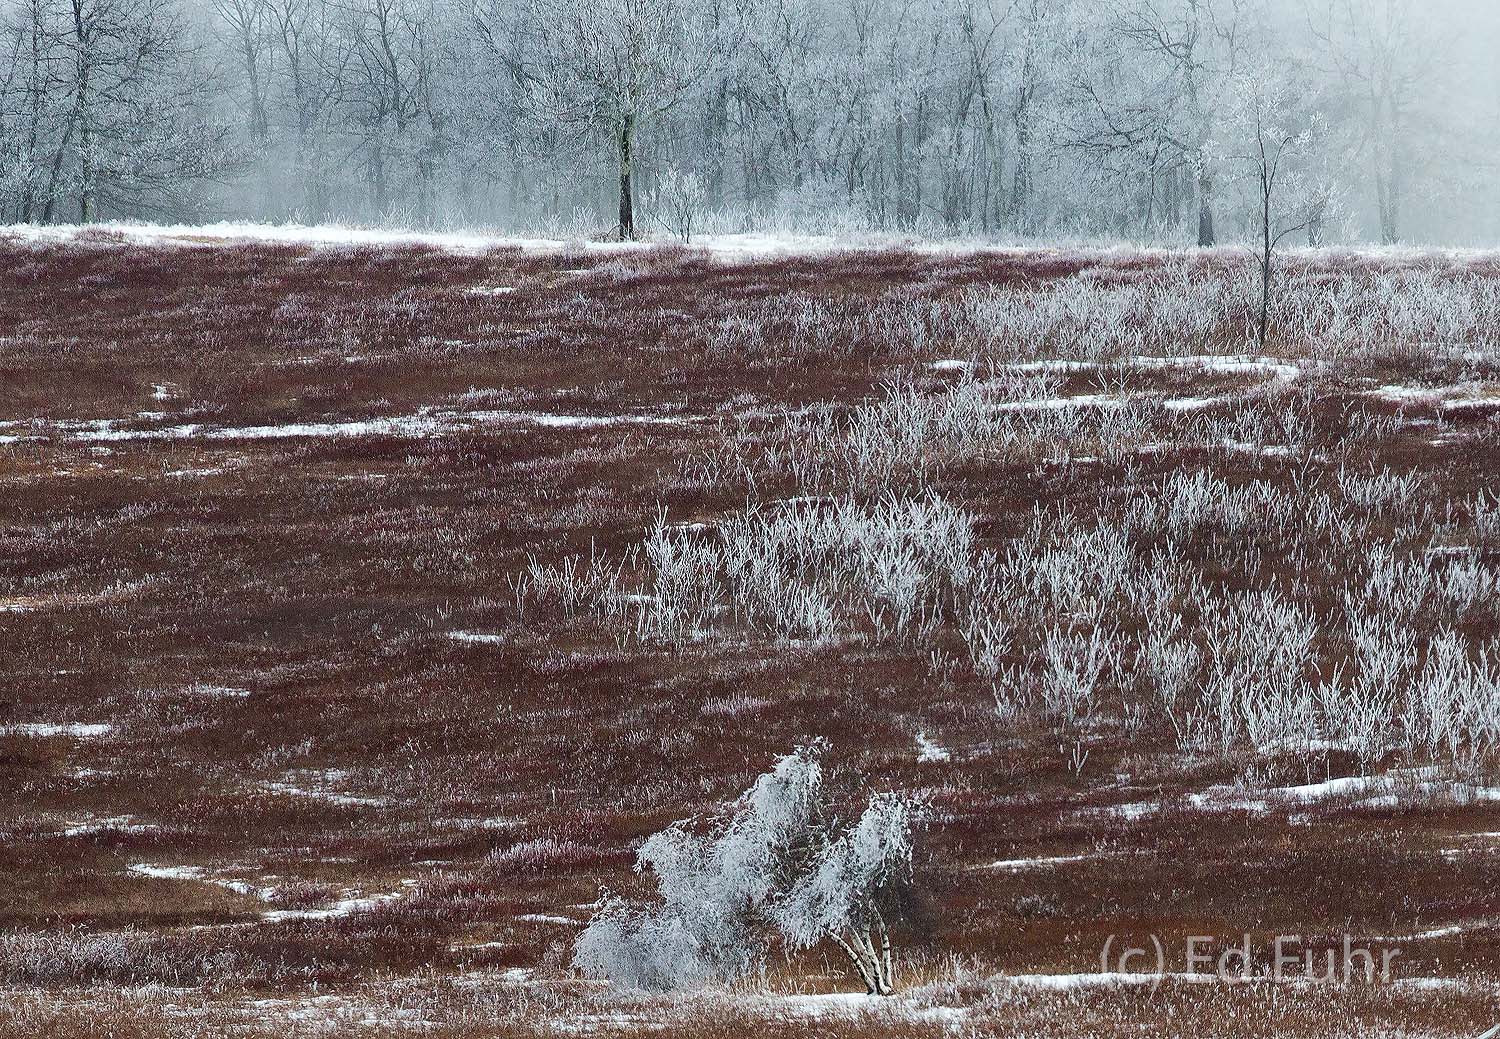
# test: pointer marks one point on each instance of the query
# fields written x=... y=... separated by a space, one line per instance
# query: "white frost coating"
x=836 y=896
x=75 y=730
x=928 y=751
x=345 y=907
x=477 y=636
x=781 y=862
x=708 y=886
x=1018 y=865
x=425 y=423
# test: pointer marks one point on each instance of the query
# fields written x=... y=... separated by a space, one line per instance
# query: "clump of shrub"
x=778 y=866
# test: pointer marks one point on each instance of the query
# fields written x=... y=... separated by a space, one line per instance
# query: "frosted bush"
x=1375 y=492
x=811 y=569
x=835 y=895
x=778 y=865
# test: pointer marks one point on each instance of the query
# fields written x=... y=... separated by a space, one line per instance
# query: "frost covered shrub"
x=809 y=569
x=77 y=957
x=777 y=866
x=836 y=895
x=1187 y=308
x=654 y=951
x=1088 y=317
x=538 y=855
x=908 y=435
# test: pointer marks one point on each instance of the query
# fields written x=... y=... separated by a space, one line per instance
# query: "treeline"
x=1004 y=117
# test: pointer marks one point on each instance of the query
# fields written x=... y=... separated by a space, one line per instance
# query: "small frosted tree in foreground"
x=778 y=866
x=1281 y=139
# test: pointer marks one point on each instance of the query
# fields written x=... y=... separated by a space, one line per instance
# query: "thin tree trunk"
x=885 y=954
x=858 y=961
x=1205 y=210
x=627 y=200
x=55 y=175
x=1265 y=257
x=83 y=66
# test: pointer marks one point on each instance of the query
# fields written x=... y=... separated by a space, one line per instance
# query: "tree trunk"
x=1265 y=259
x=378 y=185
x=1020 y=198
x=873 y=966
x=1388 y=196
x=83 y=67
x=1205 y=210
x=55 y=175
x=627 y=199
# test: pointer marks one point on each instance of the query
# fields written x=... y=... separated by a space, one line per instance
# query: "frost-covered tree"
x=1384 y=58
x=1275 y=143
x=104 y=110
x=777 y=866
x=610 y=67
x=1150 y=88
x=838 y=894
x=1030 y=117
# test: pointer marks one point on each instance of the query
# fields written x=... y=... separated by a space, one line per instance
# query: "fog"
x=1024 y=120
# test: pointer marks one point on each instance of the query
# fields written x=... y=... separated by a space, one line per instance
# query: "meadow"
x=364 y=607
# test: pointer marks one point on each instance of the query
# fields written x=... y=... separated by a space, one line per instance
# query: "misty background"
x=1145 y=120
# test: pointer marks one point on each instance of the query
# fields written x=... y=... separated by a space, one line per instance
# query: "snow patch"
x=144 y=869
x=928 y=751
x=1018 y=865
x=1230 y=364
x=428 y=422
x=73 y=730
x=345 y=907
x=318 y=784
x=111 y=824
x=1108 y=979
x=480 y=637
x=218 y=692
x=1457 y=397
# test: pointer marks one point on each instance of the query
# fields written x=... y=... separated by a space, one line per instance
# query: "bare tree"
x=309 y=68
x=1279 y=136
x=1155 y=86
x=612 y=66
x=1384 y=57
x=245 y=25
x=106 y=109
x=1089 y=116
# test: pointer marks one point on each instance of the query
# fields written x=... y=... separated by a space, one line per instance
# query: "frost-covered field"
x=365 y=603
